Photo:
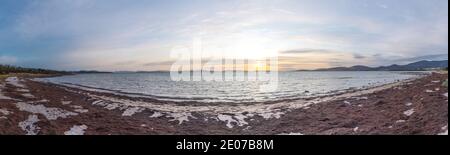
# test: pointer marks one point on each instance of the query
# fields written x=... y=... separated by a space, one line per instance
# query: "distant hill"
x=417 y=66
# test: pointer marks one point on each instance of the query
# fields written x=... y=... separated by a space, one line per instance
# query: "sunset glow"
x=134 y=36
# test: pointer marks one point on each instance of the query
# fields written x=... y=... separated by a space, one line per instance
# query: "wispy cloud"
x=321 y=58
x=162 y=63
x=107 y=35
x=302 y=51
x=359 y=56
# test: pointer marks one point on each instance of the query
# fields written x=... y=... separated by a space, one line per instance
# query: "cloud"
x=139 y=35
x=321 y=58
x=358 y=56
x=161 y=63
x=302 y=51
x=129 y=62
x=377 y=55
x=424 y=57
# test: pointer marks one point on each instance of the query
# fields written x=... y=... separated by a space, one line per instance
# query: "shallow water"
x=290 y=85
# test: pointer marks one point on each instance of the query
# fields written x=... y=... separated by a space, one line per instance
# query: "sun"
x=261 y=66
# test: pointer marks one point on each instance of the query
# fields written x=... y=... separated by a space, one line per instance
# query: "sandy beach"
x=417 y=107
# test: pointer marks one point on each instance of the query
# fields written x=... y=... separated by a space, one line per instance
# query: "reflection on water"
x=290 y=85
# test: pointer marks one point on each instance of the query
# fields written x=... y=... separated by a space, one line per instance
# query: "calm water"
x=290 y=85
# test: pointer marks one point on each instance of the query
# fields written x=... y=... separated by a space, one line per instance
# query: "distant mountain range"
x=417 y=66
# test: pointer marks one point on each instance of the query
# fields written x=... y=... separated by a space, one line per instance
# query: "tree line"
x=7 y=69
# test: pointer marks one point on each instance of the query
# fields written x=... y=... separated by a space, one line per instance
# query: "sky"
x=139 y=35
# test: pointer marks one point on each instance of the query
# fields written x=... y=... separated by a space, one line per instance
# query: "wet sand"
x=418 y=107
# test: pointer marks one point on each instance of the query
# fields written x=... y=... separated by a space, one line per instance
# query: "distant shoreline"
x=416 y=66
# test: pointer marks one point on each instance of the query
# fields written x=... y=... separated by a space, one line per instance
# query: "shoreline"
x=195 y=101
x=54 y=109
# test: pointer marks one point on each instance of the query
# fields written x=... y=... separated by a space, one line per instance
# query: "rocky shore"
x=416 y=107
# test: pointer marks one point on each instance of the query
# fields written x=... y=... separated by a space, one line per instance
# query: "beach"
x=409 y=107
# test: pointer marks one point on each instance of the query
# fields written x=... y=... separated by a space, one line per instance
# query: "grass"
x=3 y=76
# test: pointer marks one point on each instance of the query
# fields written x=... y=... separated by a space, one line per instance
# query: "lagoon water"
x=290 y=85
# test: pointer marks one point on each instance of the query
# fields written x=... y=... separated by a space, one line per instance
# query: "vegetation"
x=3 y=76
x=7 y=69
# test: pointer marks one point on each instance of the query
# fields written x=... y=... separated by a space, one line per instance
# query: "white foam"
x=112 y=106
x=15 y=82
x=409 y=112
x=23 y=90
x=5 y=111
x=444 y=133
x=156 y=115
x=445 y=128
x=347 y=103
x=79 y=109
x=76 y=107
x=28 y=95
x=98 y=102
x=429 y=91
x=271 y=115
x=76 y=130
x=29 y=125
x=400 y=121
x=292 y=134
x=361 y=98
x=181 y=117
x=227 y=118
x=267 y=111
x=238 y=119
x=446 y=95
x=49 y=113
x=409 y=104
x=131 y=111
x=66 y=102
x=2 y=96
x=241 y=119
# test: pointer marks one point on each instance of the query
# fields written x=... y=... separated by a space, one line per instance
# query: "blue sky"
x=140 y=34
